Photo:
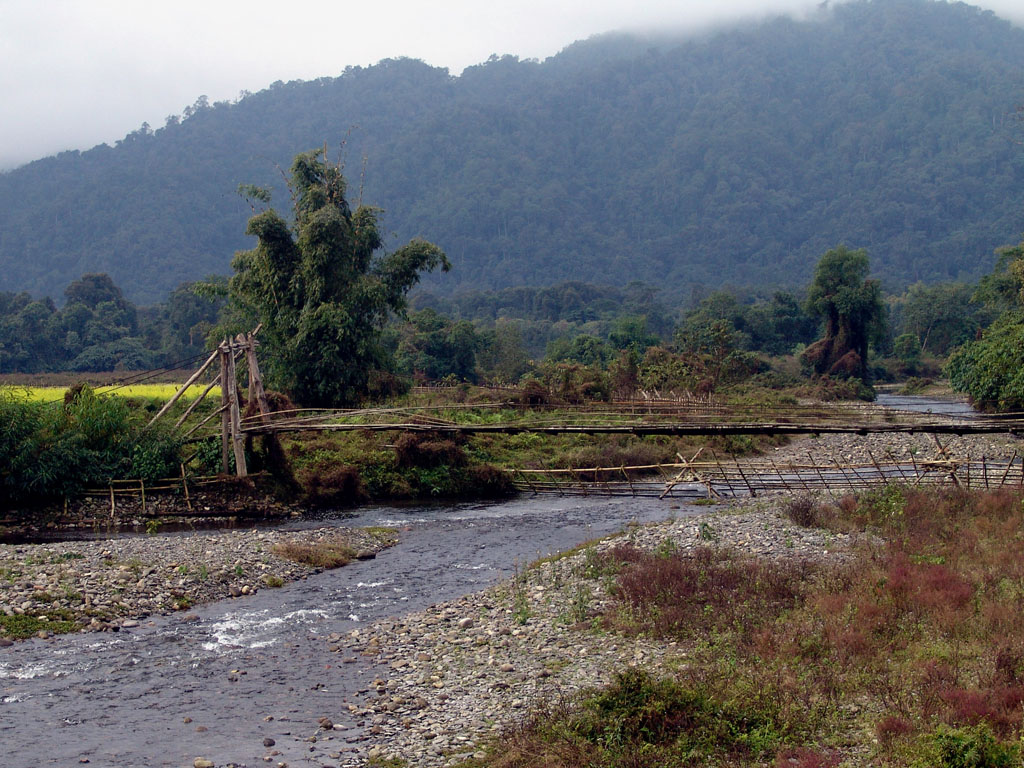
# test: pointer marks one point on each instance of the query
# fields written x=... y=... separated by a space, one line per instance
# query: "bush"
x=973 y=748
x=49 y=450
x=991 y=370
x=327 y=553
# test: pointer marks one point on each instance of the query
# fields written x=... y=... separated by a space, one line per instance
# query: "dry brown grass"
x=911 y=655
x=326 y=553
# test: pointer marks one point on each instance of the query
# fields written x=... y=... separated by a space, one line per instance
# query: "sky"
x=76 y=73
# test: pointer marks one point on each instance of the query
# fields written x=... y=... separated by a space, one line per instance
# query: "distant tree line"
x=98 y=329
x=501 y=335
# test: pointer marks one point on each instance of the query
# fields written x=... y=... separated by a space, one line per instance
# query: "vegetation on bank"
x=910 y=654
x=55 y=450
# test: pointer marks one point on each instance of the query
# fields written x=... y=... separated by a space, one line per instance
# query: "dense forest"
x=739 y=155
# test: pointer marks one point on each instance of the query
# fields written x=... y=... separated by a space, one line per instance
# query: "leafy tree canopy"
x=320 y=290
x=852 y=310
x=991 y=369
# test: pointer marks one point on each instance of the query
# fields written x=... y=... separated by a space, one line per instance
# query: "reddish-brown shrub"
x=707 y=589
x=414 y=449
x=926 y=586
x=804 y=757
x=891 y=728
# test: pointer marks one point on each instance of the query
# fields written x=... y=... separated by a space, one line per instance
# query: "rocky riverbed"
x=113 y=583
x=891 y=448
x=452 y=675
x=455 y=674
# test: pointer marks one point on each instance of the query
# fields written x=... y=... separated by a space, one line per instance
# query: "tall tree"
x=990 y=369
x=851 y=306
x=320 y=289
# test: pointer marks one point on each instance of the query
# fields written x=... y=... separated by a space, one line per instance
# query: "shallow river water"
x=123 y=699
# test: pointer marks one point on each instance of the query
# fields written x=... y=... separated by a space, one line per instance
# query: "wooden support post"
x=184 y=484
x=225 y=415
x=1009 y=464
x=112 y=511
x=679 y=477
x=917 y=472
x=782 y=481
x=255 y=380
x=628 y=479
x=753 y=493
x=824 y=483
x=142 y=489
x=235 y=418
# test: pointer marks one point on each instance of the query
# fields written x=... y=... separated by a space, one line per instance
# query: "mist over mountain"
x=738 y=156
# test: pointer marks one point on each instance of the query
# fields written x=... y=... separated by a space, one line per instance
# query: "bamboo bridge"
x=666 y=417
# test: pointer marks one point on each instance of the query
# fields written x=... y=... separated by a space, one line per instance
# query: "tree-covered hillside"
x=737 y=156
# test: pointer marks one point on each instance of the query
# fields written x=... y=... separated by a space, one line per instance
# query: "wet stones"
x=111 y=584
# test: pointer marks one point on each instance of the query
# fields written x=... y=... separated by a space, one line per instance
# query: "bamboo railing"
x=730 y=477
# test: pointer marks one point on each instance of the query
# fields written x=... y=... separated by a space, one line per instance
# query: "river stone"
x=202 y=762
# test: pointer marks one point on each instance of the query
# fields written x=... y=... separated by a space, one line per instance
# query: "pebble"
x=112 y=584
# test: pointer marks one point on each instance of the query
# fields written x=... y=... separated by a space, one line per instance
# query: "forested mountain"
x=738 y=156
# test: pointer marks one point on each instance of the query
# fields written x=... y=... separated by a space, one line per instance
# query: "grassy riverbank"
x=911 y=654
x=881 y=630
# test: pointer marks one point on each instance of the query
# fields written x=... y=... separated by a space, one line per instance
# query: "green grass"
x=21 y=627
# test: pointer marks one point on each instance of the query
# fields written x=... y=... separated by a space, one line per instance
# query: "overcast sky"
x=75 y=73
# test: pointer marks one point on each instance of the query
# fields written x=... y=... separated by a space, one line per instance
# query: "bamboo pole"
x=821 y=477
x=237 y=441
x=194 y=404
x=1002 y=480
x=184 y=484
x=743 y=476
x=219 y=412
x=225 y=418
x=191 y=380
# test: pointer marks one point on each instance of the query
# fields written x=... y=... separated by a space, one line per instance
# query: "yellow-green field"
x=148 y=391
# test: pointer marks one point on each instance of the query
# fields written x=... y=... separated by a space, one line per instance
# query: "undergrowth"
x=910 y=654
x=327 y=553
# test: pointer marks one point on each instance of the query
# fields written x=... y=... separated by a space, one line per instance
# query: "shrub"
x=327 y=553
x=974 y=747
x=50 y=450
x=804 y=511
x=331 y=486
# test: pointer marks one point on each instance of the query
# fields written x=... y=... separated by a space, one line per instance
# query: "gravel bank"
x=886 y=448
x=109 y=584
x=453 y=674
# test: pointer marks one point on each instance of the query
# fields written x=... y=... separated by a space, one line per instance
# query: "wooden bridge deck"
x=674 y=419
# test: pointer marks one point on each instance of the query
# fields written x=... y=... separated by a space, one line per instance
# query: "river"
x=174 y=689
